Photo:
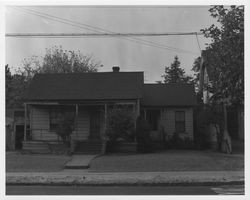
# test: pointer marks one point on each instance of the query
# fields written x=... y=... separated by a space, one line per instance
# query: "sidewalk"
x=83 y=177
x=80 y=162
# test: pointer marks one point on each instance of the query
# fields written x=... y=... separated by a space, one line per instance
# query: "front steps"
x=89 y=147
x=36 y=147
x=40 y=147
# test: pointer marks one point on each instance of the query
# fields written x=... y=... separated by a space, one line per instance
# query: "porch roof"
x=86 y=86
x=168 y=95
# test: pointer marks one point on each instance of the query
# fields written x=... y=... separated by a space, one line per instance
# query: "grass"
x=35 y=162
x=170 y=160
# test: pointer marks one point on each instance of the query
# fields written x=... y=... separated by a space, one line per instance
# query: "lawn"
x=170 y=160
x=35 y=162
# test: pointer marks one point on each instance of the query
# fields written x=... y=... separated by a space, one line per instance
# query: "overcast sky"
x=129 y=55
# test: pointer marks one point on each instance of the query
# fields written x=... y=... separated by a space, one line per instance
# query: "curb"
x=131 y=184
x=115 y=179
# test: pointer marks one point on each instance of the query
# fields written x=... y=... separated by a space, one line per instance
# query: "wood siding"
x=167 y=121
x=40 y=125
x=82 y=126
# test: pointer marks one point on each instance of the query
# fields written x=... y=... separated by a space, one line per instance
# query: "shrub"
x=120 y=126
x=65 y=127
x=207 y=115
x=144 y=141
x=176 y=142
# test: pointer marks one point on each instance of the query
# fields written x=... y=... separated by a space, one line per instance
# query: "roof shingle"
x=86 y=86
x=168 y=95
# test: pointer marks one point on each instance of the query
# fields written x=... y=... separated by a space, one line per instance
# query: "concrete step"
x=36 y=147
x=89 y=147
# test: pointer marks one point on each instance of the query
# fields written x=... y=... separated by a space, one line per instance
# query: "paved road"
x=124 y=190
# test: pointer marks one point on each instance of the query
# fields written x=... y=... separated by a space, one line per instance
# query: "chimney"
x=116 y=69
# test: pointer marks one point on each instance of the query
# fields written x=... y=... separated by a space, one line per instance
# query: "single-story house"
x=89 y=96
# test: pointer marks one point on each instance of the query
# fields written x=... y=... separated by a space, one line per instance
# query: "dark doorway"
x=19 y=136
x=153 y=117
x=94 y=125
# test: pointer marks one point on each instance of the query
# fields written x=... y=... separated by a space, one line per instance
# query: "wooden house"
x=89 y=96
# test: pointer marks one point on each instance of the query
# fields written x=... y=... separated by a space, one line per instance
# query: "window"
x=54 y=116
x=58 y=114
x=180 y=121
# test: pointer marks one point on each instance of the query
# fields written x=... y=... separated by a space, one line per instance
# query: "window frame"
x=53 y=123
x=180 y=124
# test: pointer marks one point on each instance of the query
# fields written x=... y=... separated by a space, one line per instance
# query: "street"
x=125 y=190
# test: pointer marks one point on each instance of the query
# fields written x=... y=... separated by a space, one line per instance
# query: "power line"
x=125 y=6
x=96 y=34
x=100 y=30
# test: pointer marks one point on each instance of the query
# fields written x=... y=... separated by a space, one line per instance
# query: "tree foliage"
x=224 y=56
x=56 y=60
x=15 y=85
x=175 y=74
x=65 y=126
x=120 y=124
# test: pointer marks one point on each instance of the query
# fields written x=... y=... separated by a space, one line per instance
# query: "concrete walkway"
x=83 y=177
x=80 y=161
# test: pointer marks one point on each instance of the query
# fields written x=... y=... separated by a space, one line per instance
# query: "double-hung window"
x=54 y=116
x=180 y=121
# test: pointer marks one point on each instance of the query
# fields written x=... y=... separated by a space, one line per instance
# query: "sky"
x=112 y=51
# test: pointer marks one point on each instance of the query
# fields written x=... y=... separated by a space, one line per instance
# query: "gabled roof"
x=86 y=86
x=168 y=95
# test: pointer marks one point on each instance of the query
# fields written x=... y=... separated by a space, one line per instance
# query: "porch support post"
x=137 y=112
x=72 y=140
x=76 y=118
x=105 y=117
x=104 y=143
x=138 y=107
x=25 y=122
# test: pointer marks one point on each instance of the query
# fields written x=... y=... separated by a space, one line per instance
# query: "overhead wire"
x=100 y=30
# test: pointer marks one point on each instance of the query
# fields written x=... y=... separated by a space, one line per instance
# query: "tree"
x=56 y=60
x=8 y=79
x=224 y=57
x=15 y=86
x=175 y=74
x=196 y=69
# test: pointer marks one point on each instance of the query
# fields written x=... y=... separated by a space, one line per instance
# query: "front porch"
x=88 y=127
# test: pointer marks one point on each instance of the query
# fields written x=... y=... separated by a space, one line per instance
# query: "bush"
x=65 y=127
x=205 y=116
x=144 y=141
x=120 y=126
x=176 y=142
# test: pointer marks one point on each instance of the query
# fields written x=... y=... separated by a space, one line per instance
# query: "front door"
x=94 y=125
x=19 y=136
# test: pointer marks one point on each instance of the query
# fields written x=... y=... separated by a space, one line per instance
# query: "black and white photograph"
x=124 y=100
